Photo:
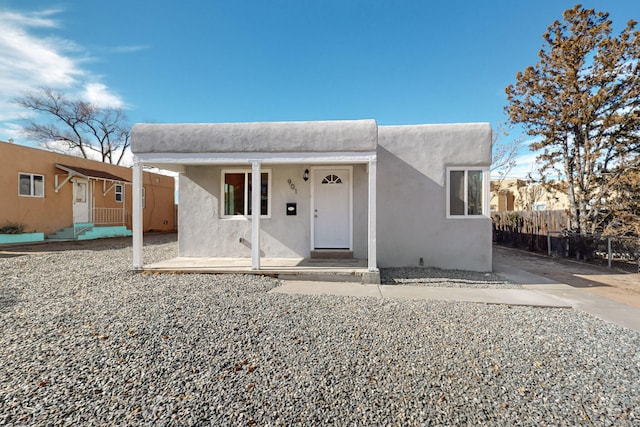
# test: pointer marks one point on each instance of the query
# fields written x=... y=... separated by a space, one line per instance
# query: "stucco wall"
x=411 y=209
x=203 y=233
x=54 y=211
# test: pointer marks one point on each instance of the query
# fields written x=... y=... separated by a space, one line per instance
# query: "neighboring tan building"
x=519 y=195
x=46 y=192
x=395 y=196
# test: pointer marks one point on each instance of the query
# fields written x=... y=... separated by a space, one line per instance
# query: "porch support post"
x=136 y=202
x=255 y=214
x=372 y=244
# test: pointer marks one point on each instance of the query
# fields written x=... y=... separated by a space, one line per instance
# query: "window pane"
x=80 y=189
x=264 y=193
x=474 y=196
x=25 y=185
x=456 y=193
x=118 y=192
x=234 y=194
x=38 y=185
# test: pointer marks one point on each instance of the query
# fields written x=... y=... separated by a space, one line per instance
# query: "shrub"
x=12 y=228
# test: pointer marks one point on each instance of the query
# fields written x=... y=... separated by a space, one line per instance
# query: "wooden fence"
x=528 y=229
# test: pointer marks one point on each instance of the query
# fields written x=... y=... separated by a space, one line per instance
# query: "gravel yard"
x=85 y=341
x=427 y=276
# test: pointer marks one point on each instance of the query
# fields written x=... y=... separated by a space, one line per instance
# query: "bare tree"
x=79 y=125
x=583 y=99
x=504 y=153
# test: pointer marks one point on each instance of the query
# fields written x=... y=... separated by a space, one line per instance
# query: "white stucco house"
x=396 y=196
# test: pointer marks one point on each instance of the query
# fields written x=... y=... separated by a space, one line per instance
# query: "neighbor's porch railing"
x=79 y=228
x=108 y=216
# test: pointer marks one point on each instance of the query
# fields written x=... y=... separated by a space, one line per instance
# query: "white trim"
x=486 y=188
x=245 y=158
x=88 y=199
x=256 y=180
x=31 y=185
x=116 y=192
x=136 y=201
x=59 y=186
x=485 y=191
x=372 y=248
x=105 y=190
x=313 y=169
x=246 y=192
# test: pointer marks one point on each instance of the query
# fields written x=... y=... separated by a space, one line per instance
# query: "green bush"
x=12 y=228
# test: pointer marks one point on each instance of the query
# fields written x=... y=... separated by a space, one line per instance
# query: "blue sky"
x=398 y=62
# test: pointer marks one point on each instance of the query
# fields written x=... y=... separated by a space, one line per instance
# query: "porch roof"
x=90 y=173
x=258 y=137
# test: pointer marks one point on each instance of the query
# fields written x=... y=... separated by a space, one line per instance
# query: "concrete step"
x=331 y=254
x=322 y=277
x=104 y=232
x=64 y=234
x=88 y=231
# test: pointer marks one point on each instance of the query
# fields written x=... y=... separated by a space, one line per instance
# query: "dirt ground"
x=92 y=245
x=613 y=284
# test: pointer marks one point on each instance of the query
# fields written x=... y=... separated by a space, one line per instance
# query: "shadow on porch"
x=344 y=270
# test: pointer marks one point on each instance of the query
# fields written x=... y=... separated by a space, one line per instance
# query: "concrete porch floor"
x=299 y=268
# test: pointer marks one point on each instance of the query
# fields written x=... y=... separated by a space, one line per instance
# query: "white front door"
x=332 y=208
x=80 y=200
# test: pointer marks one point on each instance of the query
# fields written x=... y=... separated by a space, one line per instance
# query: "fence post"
x=548 y=243
x=609 y=251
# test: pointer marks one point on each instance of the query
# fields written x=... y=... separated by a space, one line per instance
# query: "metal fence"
x=539 y=232
x=614 y=251
x=108 y=216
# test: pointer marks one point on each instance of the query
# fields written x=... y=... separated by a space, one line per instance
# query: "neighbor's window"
x=119 y=191
x=540 y=206
x=465 y=188
x=236 y=188
x=30 y=185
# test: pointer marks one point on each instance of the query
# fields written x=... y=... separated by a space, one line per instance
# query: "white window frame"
x=539 y=206
x=118 y=193
x=32 y=188
x=246 y=193
x=144 y=197
x=485 y=191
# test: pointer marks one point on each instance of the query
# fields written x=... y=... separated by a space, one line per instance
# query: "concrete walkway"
x=596 y=305
x=537 y=291
x=487 y=296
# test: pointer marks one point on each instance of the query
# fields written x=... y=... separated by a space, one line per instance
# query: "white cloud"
x=98 y=94
x=525 y=165
x=30 y=60
x=128 y=49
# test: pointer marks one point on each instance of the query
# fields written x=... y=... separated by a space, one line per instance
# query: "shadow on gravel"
x=431 y=275
x=8 y=298
x=86 y=245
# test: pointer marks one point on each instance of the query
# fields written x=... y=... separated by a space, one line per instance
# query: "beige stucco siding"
x=54 y=211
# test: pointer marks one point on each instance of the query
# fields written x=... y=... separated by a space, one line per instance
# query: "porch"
x=220 y=164
x=339 y=270
x=103 y=222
